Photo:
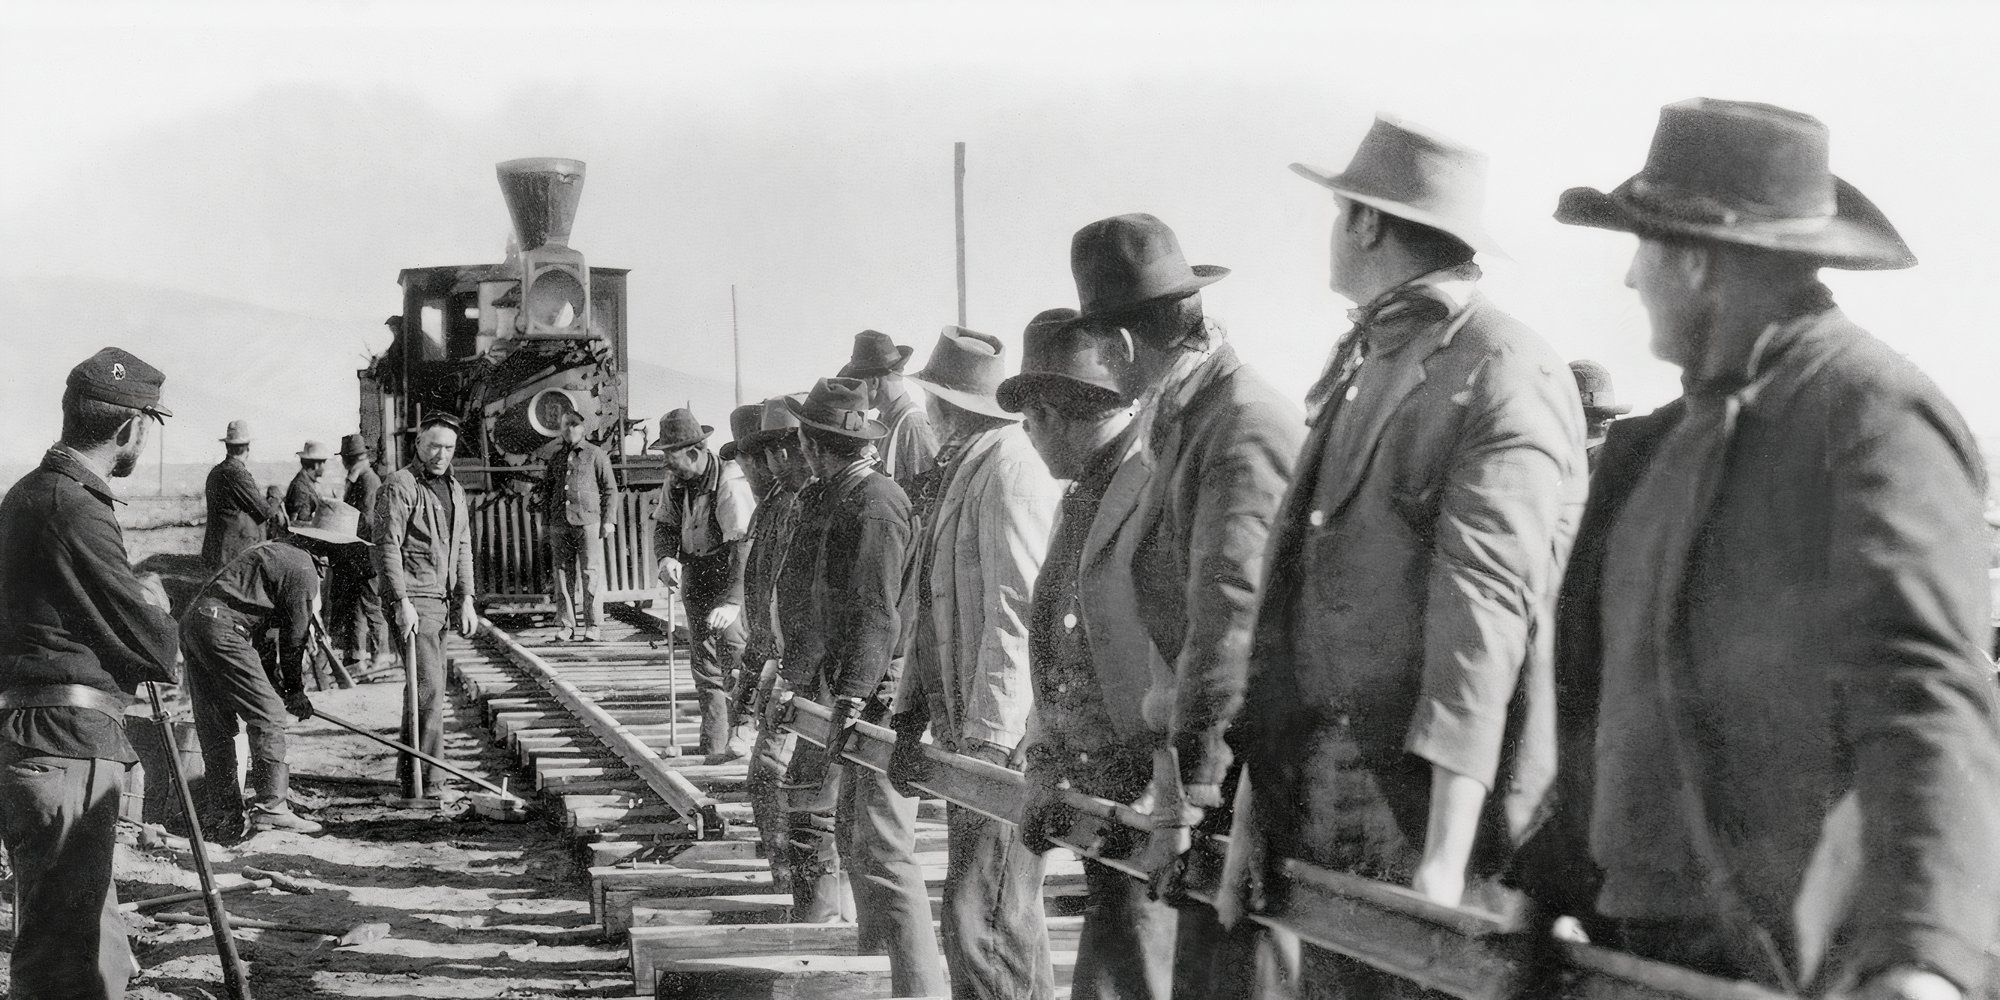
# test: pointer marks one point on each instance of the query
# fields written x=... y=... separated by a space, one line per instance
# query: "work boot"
x=270 y=809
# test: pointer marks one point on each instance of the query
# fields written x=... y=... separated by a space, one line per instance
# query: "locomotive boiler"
x=508 y=348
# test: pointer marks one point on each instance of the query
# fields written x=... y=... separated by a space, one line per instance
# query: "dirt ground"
x=474 y=908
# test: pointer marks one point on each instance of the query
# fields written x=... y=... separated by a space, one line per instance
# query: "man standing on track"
x=237 y=509
x=79 y=632
x=302 y=498
x=909 y=447
x=579 y=501
x=354 y=595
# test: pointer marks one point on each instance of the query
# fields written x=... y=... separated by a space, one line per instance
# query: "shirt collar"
x=1438 y=297
x=74 y=464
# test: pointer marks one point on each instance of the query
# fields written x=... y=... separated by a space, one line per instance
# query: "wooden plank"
x=650 y=946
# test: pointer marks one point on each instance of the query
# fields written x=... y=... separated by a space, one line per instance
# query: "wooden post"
x=958 y=213
x=736 y=344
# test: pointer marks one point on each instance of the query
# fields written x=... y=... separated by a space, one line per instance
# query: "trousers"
x=229 y=687
x=996 y=936
x=714 y=657
x=576 y=558
x=354 y=615
x=432 y=621
x=59 y=818
x=773 y=750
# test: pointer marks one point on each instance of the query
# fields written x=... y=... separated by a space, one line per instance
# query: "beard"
x=124 y=464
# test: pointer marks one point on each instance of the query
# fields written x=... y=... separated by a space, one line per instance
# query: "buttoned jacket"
x=421 y=550
x=578 y=487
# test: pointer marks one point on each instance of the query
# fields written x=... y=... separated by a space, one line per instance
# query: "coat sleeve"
x=666 y=525
x=294 y=599
x=300 y=500
x=1013 y=535
x=392 y=526
x=240 y=492
x=1506 y=509
x=1908 y=551
x=607 y=489
x=867 y=618
x=134 y=641
x=463 y=584
x=1245 y=466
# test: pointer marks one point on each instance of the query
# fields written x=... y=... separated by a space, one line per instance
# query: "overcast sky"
x=295 y=156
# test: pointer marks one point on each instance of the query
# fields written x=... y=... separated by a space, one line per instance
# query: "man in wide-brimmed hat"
x=1600 y=404
x=983 y=519
x=269 y=586
x=237 y=507
x=353 y=596
x=741 y=448
x=578 y=497
x=909 y=448
x=1779 y=601
x=701 y=531
x=1432 y=509
x=1091 y=660
x=1221 y=441
x=302 y=497
x=837 y=600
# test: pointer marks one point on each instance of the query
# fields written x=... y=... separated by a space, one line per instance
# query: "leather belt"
x=64 y=696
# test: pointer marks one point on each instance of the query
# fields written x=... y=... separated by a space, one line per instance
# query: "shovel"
x=235 y=976
x=357 y=934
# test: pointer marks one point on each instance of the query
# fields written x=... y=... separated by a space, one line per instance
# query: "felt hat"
x=1413 y=173
x=778 y=423
x=1062 y=357
x=874 y=354
x=743 y=422
x=314 y=451
x=678 y=429
x=352 y=445
x=966 y=369
x=238 y=432
x=839 y=406
x=1593 y=387
x=117 y=376
x=335 y=523
x=1747 y=174
x=1130 y=260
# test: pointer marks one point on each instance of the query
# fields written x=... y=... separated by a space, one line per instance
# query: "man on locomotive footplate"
x=579 y=501
x=423 y=556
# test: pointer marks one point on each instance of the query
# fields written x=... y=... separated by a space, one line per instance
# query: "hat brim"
x=871 y=429
x=1857 y=238
x=157 y=412
x=761 y=440
x=1200 y=276
x=1471 y=232
x=673 y=445
x=1614 y=410
x=1018 y=392
x=851 y=370
x=983 y=405
x=329 y=537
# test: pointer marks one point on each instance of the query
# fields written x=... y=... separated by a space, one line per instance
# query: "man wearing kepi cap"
x=1600 y=404
x=982 y=530
x=579 y=500
x=701 y=532
x=79 y=632
x=1090 y=657
x=1797 y=774
x=1221 y=441
x=838 y=600
x=269 y=586
x=910 y=447
x=237 y=508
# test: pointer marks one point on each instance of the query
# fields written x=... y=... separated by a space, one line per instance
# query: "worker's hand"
x=1907 y=982
x=840 y=729
x=607 y=529
x=155 y=592
x=907 y=763
x=1043 y=816
x=468 y=618
x=406 y=617
x=724 y=615
x=299 y=705
x=991 y=753
x=670 y=572
x=777 y=703
x=1440 y=883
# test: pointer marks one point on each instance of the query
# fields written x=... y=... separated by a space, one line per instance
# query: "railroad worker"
x=741 y=448
x=1221 y=442
x=774 y=446
x=578 y=497
x=838 y=606
x=270 y=586
x=1797 y=772
x=79 y=632
x=911 y=446
x=237 y=509
x=423 y=557
x=1089 y=654
x=965 y=679
x=353 y=594
x=701 y=535
x=1433 y=508
x=1600 y=404
x=302 y=497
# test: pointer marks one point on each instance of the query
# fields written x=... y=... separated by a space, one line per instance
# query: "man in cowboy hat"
x=742 y=447
x=982 y=530
x=354 y=596
x=79 y=632
x=910 y=448
x=237 y=509
x=1797 y=773
x=1432 y=510
x=1600 y=404
x=1221 y=441
x=422 y=531
x=838 y=599
x=302 y=497
x=1090 y=658
x=270 y=585
x=773 y=446
x=578 y=497
x=702 y=525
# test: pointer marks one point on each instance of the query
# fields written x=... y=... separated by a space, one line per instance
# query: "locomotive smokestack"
x=541 y=193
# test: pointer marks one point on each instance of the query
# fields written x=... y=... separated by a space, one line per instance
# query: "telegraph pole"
x=958 y=212
x=736 y=344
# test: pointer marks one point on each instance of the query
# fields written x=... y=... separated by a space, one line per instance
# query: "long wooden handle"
x=414 y=752
x=235 y=978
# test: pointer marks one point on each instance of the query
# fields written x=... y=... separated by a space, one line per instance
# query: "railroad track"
x=606 y=735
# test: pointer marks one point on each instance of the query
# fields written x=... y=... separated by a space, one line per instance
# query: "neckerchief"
x=1389 y=322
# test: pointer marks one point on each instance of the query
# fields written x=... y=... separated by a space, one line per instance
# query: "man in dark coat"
x=79 y=632
x=701 y=535
x=302 y=497
x=354 y=595
x=237 y=509
x=1797 y=773
x=578 y=497
x=909 y=449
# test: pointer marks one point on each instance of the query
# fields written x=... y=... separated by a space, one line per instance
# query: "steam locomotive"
x=508 y=348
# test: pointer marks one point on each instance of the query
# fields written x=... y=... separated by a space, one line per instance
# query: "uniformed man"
x=79 y=632
x=237 y=509
x=302 y=497
x=423 y=556
x=579 y=500
x=701 y=536
x=354 y=595
x=910 y=448
x=270 y=586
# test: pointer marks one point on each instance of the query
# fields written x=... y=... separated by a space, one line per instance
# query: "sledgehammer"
x=508 y=806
